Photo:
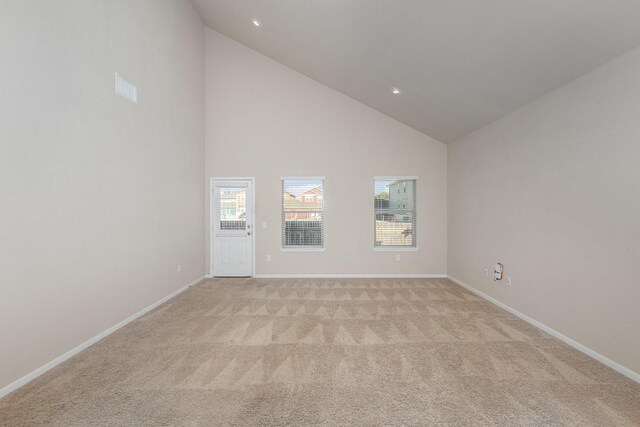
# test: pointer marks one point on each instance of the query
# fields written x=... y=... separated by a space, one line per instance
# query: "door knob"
x=249 y=233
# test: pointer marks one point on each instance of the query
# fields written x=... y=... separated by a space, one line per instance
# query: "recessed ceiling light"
x=395 y=91
x=257 y=23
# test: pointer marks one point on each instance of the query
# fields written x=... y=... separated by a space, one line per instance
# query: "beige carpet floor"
x=327 y=352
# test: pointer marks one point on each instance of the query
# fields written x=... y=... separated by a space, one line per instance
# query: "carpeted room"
x=330 y=352
x=110 y=213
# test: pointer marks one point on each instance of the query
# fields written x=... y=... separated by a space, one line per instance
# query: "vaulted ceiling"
x=459 y=64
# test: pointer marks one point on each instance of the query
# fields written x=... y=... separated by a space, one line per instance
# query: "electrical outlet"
x=179 y=268
x=508 y=280
x=268 y=258
x=397 y=257
x=486 y=273
x=264 y=225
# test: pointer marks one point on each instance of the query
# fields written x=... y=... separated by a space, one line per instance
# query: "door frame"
x=212 y=219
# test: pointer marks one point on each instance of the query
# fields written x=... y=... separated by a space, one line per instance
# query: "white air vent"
x=126 y=88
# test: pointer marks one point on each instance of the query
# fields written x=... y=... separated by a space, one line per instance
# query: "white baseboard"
x=58 y=360
x=350 y=276
x=584 y=349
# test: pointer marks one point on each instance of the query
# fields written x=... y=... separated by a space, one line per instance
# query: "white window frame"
x=324 y=236
x=396 y=248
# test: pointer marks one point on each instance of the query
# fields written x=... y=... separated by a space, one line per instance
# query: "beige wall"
x=100 y=198
x=553 y=191
x=268 y=121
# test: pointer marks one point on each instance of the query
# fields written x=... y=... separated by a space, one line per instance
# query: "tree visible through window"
x=302 y=213
x=394 y=212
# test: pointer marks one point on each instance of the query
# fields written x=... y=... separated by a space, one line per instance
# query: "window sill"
x=302 y=249
x=395 y=249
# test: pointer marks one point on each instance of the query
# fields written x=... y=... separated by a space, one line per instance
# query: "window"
x=232 y=208
x=394 y=212
x=302 y=213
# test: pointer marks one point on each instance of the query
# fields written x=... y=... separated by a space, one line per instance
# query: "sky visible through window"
x=381 y=187
x=296 y=187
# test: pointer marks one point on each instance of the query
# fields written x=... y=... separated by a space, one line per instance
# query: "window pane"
x=302 y=209
x=300 y=232
x=233 y=209
x=395 y=212
x=394 y=229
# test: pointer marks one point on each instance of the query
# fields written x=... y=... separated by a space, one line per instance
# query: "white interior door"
x=232 y=230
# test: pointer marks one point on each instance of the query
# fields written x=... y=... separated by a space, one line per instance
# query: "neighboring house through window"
x=394 y=212
x=302 y=213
